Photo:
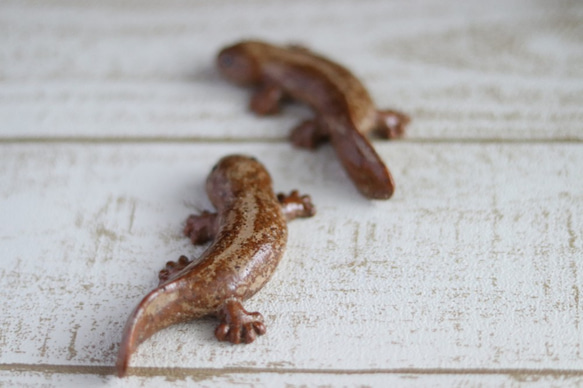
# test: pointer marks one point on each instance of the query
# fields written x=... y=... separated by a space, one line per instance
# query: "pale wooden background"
x=111 y=115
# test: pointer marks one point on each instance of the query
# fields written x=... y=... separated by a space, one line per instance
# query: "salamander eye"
x=227 y=60
x=215 y=167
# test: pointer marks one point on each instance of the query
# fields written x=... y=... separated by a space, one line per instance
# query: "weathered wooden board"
x=474 y=264
x=464 y=70
x=111 y=115
x=222 y=378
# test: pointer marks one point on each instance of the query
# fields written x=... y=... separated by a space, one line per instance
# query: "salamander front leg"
x=308 y=134
x=237 y=325
x=201 y=228
x=266 y=99
x=391 y=124
x=294 y=205
x=172 y=268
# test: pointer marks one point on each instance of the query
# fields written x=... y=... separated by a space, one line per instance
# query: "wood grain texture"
x=256 y=378
x=111 y=115
x=468 y=70
x=383 y=285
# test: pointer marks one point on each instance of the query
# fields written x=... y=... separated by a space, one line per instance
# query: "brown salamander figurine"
x=249 y=234
x=344 y=110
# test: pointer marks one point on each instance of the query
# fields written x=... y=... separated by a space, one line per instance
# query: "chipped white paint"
x=471 y=274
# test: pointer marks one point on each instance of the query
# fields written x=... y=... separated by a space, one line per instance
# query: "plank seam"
x=215 y=372
x=196 y=140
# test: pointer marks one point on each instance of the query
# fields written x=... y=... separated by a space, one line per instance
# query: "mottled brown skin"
x=344 y=110
x=249 y=233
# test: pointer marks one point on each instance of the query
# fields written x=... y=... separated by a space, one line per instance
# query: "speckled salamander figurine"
x=249 y=234
x=344 y=110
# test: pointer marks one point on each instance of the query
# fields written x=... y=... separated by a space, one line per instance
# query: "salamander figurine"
x=344 y=110
x=248 y=233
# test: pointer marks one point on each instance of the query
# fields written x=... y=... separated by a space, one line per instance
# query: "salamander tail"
x=364 y=166
x=161 y=308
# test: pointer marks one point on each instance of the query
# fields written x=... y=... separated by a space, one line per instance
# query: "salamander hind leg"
x=295 y=205
x=266 y=99
x=308 y=134
x=238 y=325
x=391 y=124
x=201 y=228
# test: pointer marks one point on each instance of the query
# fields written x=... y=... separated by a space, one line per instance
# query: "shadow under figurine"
x=248 y=233
x=344 y=109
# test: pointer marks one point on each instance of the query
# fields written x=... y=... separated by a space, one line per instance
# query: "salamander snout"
x=237 y=65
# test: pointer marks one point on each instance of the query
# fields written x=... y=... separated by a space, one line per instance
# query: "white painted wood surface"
x=111 y=116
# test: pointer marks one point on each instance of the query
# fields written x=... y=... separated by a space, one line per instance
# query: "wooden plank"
x=205 y=378
x=470 y=275
x=464 y=71
x=475 y=263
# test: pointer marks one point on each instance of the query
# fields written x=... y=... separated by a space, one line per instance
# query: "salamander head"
x=239 y=63
x=234 y=174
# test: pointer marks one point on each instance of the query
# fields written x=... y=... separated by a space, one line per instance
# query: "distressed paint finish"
x=456 y=262
x=480 y=71
x=111 y=116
